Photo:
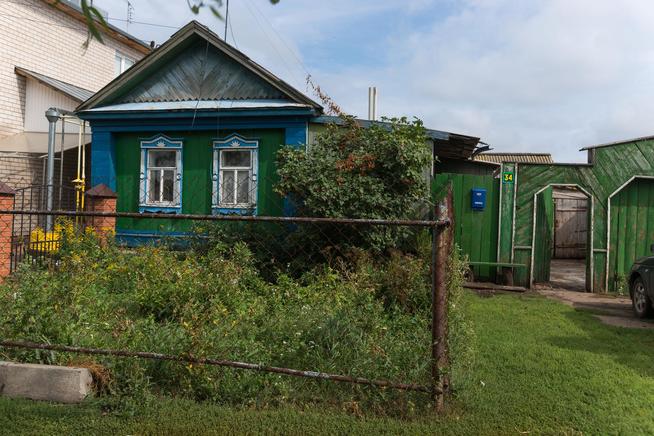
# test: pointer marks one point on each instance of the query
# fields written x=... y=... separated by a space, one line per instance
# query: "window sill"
x=234 y=210
x=160 y=209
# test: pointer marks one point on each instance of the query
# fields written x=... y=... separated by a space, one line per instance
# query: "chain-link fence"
x=212 y=258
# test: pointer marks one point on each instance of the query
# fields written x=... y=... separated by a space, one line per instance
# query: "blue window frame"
x=161 y=175
x=235 y=166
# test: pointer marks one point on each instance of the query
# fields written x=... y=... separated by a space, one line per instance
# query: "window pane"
x=128 y=63
x=155 y=186
x=228 y=187
x=236 y=158
x=168 y=185
x=162 y=159
x=117 y=65
x=243 y=187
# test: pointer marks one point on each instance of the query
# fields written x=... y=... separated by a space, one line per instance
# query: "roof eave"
x=113 y=31
x=26 y=73
x=622 y=142
x=200 y=113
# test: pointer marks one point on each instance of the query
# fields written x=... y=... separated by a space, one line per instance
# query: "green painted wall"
x=545 y=232
x=475 y=232
x=196 y=182
x=612 y=167
x=632 y=227
x=507 y=201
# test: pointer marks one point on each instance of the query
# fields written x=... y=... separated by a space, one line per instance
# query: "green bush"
x=371 y=321
x=376 y=172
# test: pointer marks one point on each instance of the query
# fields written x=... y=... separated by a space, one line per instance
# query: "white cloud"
x=525 y=76
x=543 y=75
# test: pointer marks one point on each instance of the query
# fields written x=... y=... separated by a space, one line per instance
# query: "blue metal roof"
x=446 y=144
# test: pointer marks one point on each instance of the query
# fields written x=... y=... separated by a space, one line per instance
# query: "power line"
x=64 y=26
x=268 y=37
x=231 y=30
x=279 y=36
x=144 y=23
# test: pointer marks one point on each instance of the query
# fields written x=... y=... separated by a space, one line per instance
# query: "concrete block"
x=45 y=382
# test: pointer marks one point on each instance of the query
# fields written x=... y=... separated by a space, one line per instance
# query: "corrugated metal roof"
x=498 y=158
x=330 y=119
x=199 y=105
x=74 y=92
x=446 y=144
x=622 y=142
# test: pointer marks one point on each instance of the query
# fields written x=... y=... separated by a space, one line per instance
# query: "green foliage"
x=542 y=368
x=354 y=172
x=621 y=285
x=462 y=339
x=364 y=316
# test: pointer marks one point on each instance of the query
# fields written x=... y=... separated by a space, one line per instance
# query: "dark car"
x=641 y=286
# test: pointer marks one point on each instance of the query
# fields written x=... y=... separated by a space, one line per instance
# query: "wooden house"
x=195 y=127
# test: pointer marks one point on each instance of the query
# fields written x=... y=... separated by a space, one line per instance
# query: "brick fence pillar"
x=101 y=198
x=6 y=228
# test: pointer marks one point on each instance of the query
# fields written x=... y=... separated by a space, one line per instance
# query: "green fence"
x=475 y=231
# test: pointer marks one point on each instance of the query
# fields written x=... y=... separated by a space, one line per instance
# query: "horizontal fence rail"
x=219 y=362
x=244 y=218
x=289 y=245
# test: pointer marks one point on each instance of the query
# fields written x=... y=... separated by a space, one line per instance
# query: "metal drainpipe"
x=52 y=115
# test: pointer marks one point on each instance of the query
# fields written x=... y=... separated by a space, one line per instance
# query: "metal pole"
x=52 y=115
x=226 y=19
x=441 y=251
x=61 y=159
x=218 y=362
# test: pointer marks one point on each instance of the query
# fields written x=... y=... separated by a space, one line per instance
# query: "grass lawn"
x=542 y=367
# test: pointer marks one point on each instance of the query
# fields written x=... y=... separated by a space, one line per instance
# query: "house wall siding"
x=196 y=175
x=39 y=37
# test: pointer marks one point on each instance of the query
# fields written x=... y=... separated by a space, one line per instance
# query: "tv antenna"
x=130 y=15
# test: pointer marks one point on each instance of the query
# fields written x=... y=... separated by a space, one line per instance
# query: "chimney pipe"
x=372 y=103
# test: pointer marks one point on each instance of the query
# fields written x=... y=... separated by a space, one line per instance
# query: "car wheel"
x=639 y=299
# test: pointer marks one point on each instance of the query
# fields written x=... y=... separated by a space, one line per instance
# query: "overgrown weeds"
x=370 y=319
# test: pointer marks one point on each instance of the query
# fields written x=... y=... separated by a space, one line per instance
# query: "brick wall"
x=39 y=37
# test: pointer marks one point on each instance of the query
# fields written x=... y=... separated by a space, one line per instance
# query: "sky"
x=524 y=76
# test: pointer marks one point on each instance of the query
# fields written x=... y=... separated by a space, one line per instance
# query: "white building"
x=43 y=64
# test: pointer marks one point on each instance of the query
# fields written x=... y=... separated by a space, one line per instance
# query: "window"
x=235 y=174
x=162 y=168
x=122 y=63
x=161 y=175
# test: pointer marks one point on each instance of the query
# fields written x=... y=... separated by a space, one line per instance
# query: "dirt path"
x=611 y=310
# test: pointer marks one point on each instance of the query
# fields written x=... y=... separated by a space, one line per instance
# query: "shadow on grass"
x=633 y=348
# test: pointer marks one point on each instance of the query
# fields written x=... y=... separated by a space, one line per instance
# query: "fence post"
x=7 y=195
x=101 y=198
x=441 y=250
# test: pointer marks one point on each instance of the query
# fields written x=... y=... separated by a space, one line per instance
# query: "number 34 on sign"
x=507 y=177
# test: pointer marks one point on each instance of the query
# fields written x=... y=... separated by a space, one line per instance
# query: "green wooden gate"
x=475 y=231
x=632 y=228
x=544 y=235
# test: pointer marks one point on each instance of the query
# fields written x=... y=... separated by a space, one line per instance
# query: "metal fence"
x=279 y=244
x=30 y=239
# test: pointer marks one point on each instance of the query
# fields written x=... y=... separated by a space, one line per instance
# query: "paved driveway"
x=611 y=310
